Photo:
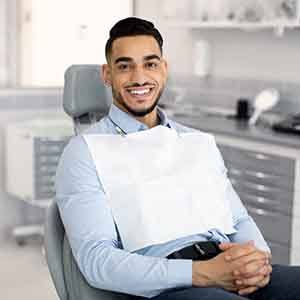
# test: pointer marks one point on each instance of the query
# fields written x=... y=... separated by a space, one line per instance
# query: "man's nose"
x=138 y=75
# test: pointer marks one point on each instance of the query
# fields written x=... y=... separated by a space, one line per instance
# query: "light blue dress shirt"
x=93 y=235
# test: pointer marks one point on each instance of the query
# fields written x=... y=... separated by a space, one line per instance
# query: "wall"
x=253 y=55
x=236 y=53
x=2 y=42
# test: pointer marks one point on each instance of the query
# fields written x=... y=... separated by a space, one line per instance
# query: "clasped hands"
x=241 y=268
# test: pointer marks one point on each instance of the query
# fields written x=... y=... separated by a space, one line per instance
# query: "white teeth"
x=139 y=92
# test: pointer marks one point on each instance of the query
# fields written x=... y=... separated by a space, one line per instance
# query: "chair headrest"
x=84 y=91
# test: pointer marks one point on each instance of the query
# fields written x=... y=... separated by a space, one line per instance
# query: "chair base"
x=22 y=233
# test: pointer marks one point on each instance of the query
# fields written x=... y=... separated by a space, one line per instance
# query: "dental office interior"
x=233 y=72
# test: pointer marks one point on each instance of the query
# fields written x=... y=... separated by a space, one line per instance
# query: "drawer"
x=46 y=170
x=264 y=203
x=260 y=177
x=45 y=179
x=44 y=191
x=257 y=161
x=274 y=226
x=47 y=159
x=281 y=197
x=48 y=146
x=280 y=253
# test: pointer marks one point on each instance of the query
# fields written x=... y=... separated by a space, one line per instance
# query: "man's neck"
x=152 y=119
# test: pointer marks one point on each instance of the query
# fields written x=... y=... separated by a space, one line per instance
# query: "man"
x=139 y=194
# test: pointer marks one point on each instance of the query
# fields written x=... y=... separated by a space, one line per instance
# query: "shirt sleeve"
x=246 y=228
x=93 y=237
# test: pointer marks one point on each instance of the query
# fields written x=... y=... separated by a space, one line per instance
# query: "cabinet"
x=267 y=182
x=42 y=143
x=244 y=14
x=30 y=176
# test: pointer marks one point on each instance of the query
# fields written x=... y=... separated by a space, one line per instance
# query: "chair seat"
x=77 y=286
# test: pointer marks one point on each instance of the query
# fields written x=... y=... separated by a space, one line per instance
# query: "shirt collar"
x=129 y=124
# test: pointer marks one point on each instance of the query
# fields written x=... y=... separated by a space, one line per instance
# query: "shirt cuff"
x=179 y=273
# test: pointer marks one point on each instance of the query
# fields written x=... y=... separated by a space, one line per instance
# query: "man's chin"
x=141 y=112
x=134 y=111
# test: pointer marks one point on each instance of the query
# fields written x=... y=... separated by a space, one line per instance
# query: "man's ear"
x=165 y=68
x=165 y=63
x=106 y=74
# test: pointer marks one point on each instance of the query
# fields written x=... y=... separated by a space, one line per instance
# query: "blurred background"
x=228 y=60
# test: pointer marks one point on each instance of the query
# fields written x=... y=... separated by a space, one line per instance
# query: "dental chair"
x=85 y=100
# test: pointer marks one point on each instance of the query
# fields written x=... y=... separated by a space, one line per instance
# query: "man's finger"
x=251 y=269
x=239 y=251
x=248 y=290
x=264 y=282
x=226 y=246
x=252 y=281
x=266 y=270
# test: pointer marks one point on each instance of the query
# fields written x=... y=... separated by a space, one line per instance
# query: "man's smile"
x=140 y=92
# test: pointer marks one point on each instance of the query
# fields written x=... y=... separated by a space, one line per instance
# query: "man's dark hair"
x=132 y=27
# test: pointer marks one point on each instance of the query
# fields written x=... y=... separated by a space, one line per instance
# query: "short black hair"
x=132 y=26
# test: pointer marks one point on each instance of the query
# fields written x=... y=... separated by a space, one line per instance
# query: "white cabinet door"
x=57 y=33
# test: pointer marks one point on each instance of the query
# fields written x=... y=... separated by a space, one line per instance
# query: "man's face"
x=137 y=74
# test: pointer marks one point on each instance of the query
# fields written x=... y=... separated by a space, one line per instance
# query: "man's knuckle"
x=247 y=268
x=249 y=248
x=244 y=260
x=237 y=252
x=270 y=269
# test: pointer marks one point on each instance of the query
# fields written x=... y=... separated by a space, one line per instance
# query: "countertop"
x=225 y=125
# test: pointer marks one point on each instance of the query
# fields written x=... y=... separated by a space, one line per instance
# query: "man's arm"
x=93 y=237
x=248 y=264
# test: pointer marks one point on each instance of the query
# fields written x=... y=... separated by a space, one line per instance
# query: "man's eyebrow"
x=129 y=59
x=124 y=59
x=152 y=56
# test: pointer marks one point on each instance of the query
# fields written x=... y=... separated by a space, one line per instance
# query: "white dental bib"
x=161 y=185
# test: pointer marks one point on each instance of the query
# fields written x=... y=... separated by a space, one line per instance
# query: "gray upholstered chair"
x=85 y=100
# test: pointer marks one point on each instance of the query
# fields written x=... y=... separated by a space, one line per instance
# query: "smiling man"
x=146 y=202
x=137 y=74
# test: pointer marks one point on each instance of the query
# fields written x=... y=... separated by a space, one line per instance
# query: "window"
x=55 y=34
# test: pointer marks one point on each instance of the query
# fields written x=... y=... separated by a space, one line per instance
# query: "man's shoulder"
x=100 y=127
x=186 y=129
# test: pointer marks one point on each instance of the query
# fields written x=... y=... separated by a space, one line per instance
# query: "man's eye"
x=123 y=67
x=151 y=65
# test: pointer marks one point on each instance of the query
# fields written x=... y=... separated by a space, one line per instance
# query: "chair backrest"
x=85 y=100
x=85 y=97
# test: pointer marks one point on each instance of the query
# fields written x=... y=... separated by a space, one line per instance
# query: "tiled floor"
x=24 y=274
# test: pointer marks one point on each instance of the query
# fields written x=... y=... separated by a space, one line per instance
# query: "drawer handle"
x=261 y=200
x=260 y=175
x=235 y=171
x=256 y=174
x=258 y=187
x=261 y=156
x=261 y=212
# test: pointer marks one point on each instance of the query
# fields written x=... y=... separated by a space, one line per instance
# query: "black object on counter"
x=288 y=125
x=243 y=109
